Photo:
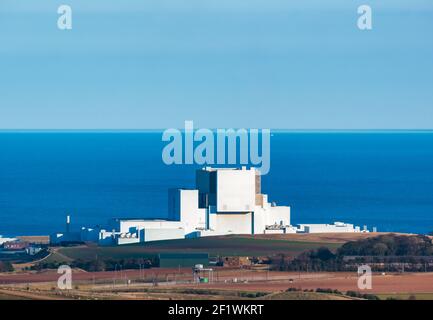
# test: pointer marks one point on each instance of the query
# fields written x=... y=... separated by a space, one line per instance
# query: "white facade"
x=162 y=234
x=129 y=231
x=328 y=228
x=135 y=225
x=235 y=190
x=183 y=207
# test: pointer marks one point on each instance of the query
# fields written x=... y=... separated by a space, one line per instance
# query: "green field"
x=215 y=246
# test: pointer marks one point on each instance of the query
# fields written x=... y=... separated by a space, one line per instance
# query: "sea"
x=381 y=179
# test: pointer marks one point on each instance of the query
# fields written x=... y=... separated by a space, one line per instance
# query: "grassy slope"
x=304 y=296
x=224 y=246
x=406 y=296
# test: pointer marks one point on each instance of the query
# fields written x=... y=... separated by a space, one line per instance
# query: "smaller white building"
x=129 y=231
x=327 y=228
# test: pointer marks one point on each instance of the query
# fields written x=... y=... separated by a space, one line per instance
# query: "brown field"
x=338 y=238
x=221 y=275
x=164 y=283
x=228 y=283
x=78 y=275
x=391 y=283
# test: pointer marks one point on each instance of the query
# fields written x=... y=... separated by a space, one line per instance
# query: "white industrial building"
x=224 y=201
x=227 y=201
x=328 y=228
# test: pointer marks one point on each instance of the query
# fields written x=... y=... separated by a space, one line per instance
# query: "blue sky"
x=254 y=64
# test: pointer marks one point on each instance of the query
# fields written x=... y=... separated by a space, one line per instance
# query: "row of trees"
x=389 y=245
x=382 y=253
x=6 y=266
x=101 y=264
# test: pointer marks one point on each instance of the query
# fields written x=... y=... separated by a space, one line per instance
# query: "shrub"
x=6 y=266
x=366 y=296
x=321 y=290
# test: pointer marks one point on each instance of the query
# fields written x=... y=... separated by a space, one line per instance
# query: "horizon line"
x=213 y=129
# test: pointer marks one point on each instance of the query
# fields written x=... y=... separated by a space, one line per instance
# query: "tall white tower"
x=68 y=223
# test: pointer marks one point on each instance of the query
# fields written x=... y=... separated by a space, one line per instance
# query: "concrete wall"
x=190 y=215
x=126 y=226
x=278 y=214
x=162 y=234
x=184 y=202
x=121 y=241
x=325 y=228
x=236 y=190
x=235 y=223
x=260 y=220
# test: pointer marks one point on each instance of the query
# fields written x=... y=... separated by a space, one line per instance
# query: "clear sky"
x=298 y=64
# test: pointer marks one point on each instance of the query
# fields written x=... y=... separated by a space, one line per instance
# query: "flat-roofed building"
x=327 y=228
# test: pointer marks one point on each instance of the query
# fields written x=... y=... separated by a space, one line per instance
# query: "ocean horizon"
x=378 y=178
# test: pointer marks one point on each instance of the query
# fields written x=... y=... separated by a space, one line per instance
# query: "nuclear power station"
x=224 y=201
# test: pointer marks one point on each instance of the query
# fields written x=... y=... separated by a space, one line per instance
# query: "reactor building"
x=224 y=201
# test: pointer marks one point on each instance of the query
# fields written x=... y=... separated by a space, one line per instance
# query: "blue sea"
x=381 y=179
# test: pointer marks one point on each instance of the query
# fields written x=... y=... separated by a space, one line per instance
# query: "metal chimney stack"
x=68 y=223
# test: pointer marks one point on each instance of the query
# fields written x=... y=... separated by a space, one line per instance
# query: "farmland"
x=227 y=282
x=261 y=245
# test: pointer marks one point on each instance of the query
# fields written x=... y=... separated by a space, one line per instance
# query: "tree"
x=6 y=266
x=380 y=249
